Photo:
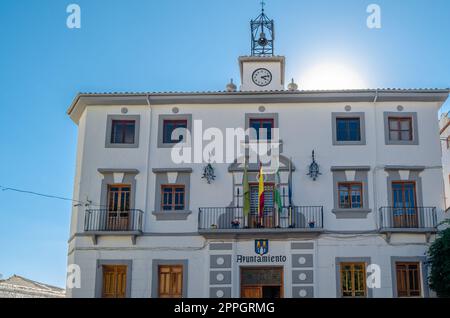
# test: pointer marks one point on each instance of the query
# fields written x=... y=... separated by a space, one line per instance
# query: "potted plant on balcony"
x=214 y=226
x=312 y=224
x=235 y=224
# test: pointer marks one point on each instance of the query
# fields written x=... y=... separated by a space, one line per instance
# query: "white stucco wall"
x=195 y=251
x=303 y=127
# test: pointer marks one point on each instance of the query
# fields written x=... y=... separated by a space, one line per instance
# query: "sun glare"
x=328 y=76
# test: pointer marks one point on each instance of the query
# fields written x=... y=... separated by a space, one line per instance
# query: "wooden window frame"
x=115 y=269
x=180 y=271
x=173 y=206
x=408 y=290
x=399 y=131
x=122 y=140
x=349 y=190
x=261 y=120
x=253 y=185
x=118 y=219
x=352 y=276
x=120 y=186
x=347 y=129
x=173 y=121
x=403 y=183
x=268 y=219
x=405 y=218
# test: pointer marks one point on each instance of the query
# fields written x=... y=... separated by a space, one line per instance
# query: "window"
x=404 y=200
x=180 y=124
x=400 y=129
x=448 y=142
x=353 y=279
x=350 y=195
x=408 y=279
x=114 y=281
x=118 y=207
x=123 y=132
x=119 y=197
x=263 y=127
x=173 y=197
x=169 y=126
x=170 y=284
x=348 y=129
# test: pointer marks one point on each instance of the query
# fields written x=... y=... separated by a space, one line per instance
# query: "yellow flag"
x=261 y=192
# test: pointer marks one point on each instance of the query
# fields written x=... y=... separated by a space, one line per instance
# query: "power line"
x=49 y=196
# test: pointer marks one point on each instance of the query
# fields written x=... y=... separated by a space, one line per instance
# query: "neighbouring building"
x=370 y=197
x=20 y=287
x=444 y=125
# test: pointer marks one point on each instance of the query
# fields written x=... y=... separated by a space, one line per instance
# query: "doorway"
x=118 y=207
x=267 y=218
x=405 y=208
x=258 y=282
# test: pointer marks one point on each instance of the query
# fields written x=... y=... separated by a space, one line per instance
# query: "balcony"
x=117 y=223
x=214 y=222
x=408 y=220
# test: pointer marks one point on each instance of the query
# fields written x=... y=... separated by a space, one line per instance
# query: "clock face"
x=262 y=77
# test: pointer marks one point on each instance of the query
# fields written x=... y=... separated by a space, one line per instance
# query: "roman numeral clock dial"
x=262 y=77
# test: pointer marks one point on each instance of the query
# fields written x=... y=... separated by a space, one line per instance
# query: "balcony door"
x=118 y=207
x=268 y=218
x=404 y=205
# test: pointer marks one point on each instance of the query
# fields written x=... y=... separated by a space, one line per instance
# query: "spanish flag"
x=261 y=193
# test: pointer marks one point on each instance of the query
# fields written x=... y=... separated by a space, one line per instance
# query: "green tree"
x=439 y=260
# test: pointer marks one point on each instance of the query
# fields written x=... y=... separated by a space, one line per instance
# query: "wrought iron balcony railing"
x=408 y=218
x=113 y=221
x=232 y=218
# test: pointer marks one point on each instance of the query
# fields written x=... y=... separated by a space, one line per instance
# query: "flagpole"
x=290 y=193
x=261 y=198
x=278 y=209
x=246 y=196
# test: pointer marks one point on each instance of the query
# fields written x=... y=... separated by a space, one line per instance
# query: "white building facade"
x=152 y=227
x=444 y=125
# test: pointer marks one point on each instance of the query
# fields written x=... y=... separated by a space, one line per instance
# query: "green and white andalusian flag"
x=278 y=203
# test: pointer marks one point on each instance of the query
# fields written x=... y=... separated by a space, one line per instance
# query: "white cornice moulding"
x=81 y=101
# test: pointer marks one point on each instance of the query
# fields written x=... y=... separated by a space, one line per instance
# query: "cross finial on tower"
x=263 y=3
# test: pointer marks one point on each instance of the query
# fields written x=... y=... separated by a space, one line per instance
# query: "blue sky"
x=150 y=45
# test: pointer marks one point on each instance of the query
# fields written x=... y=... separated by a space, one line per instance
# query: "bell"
x=262 y=39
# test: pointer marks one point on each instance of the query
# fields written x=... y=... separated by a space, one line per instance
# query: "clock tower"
x=262 y=71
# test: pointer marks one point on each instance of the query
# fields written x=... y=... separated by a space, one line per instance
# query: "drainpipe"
x=374 y=171
x=376 y=97
x=148 y=158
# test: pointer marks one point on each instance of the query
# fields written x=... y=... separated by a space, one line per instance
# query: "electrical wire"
x=49 y=196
